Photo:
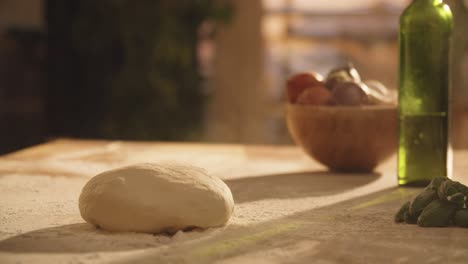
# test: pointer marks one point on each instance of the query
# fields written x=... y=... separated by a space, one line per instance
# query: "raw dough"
x=155 y=198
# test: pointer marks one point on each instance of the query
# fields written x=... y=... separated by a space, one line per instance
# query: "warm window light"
x=274 y=27
x=274 y=4
x=335 y=5
x=331 y=5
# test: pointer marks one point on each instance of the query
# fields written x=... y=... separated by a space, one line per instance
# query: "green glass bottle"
x=424 y=84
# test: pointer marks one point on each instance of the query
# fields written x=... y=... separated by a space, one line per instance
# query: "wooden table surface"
x=289 y=209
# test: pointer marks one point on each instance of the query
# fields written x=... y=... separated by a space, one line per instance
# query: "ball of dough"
x=154 y=198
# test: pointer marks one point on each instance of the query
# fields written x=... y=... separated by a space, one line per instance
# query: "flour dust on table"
x=155 y=198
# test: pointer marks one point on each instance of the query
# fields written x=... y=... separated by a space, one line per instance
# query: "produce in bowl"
x=342 y=86
x=344 y=123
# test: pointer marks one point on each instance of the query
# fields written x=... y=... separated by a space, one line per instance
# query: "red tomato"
x=296 y=84
x=318 y=95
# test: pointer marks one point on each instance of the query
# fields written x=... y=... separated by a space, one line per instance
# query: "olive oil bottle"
x=424 y=84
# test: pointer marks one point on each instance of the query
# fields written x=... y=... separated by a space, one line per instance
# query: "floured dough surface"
x=154 y=198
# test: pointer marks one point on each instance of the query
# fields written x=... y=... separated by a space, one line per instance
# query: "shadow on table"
x=296 y=185
x=78 y=238
x=358 y=230
x=82 y=237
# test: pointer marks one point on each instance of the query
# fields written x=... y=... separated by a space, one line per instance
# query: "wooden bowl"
x=345 y=138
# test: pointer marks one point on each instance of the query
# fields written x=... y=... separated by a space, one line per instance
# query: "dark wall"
x=124 y=69
x=111 y=69
x=22 y=60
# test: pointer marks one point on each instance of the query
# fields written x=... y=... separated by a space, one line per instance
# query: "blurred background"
x=189 y=70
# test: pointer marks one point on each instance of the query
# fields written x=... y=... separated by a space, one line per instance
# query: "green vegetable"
x=410 y=219
x=420 y=202
x=438 y=213
x=400 y=216
x=461 y=218
x=458 y=198
x=442 y=203
x=435 y=183
x=450 y=188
